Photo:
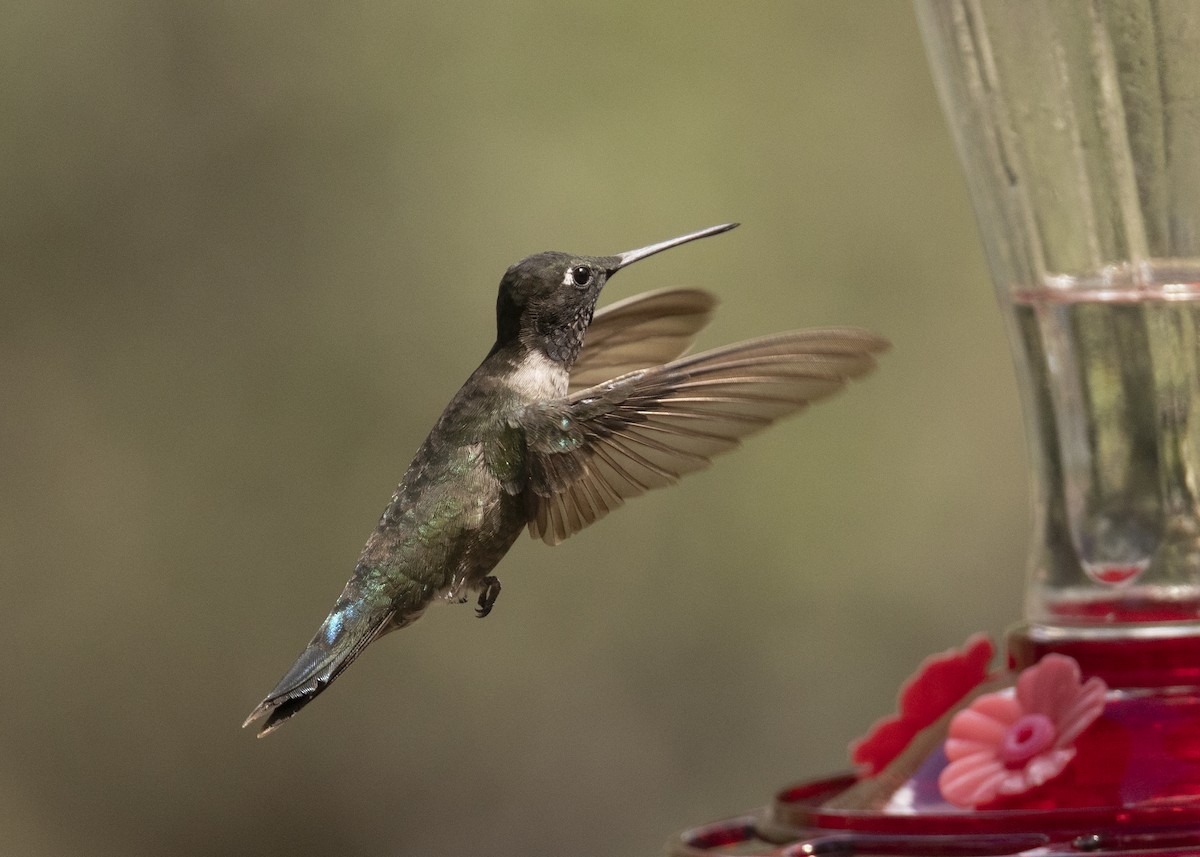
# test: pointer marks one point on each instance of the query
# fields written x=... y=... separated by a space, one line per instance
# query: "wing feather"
x=604 y=444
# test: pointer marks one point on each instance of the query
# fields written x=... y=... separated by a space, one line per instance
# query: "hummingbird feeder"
x=1078 y=126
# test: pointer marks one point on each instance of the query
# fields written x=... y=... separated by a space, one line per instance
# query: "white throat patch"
x=539 y=377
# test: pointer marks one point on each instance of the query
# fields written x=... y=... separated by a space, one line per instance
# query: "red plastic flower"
x=940 y=681
x=1009 y=742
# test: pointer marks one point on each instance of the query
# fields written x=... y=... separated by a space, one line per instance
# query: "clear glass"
x=1078 y=125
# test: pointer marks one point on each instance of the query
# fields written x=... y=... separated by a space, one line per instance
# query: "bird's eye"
x=581 y=275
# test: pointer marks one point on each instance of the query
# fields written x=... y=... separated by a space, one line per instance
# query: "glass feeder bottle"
x=1078 y=125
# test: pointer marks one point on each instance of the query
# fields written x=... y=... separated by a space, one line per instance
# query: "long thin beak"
x=631 y=256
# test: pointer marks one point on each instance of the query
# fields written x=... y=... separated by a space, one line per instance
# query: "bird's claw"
x=487 y=596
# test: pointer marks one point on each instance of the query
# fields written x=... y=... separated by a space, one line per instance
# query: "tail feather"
x=341 y=638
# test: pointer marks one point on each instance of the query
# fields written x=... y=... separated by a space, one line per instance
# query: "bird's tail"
x=353 y=625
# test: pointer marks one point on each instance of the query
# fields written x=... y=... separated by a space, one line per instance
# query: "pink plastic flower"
x=1007 y=743
x=940 y=681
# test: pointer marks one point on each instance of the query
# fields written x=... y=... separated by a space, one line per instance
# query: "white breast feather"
x=539 y=377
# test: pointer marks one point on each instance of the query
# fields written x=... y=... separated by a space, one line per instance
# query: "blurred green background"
x=249 y=252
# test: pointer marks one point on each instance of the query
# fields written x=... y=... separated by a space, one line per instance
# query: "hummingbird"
x=571 y=413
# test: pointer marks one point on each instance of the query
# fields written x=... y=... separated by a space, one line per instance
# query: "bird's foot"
x=487 y=596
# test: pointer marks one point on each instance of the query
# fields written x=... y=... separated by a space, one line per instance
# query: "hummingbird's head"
x=546 y=300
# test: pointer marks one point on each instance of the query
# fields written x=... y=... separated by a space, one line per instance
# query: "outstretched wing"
x=645 y=330
x=594 y=449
